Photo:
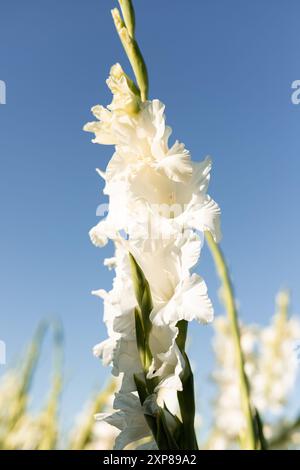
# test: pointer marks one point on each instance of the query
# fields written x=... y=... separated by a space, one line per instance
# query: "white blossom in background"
x=229 y=417
x=278 y=363
x=271 y=365
x=104 y=436
x=20 y=428
x=26 y=435
x=158 y=211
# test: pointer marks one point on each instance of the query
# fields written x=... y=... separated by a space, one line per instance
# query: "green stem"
x=125 y=30
x=249 y=440
x=128 y=15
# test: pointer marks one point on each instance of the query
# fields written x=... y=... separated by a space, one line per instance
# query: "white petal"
x=176 y=163
x=209 y=218
x=195 y=303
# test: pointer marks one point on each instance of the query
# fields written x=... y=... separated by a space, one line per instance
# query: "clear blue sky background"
x=224 y=70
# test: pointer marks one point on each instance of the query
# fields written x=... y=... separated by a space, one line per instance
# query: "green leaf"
x=142 y=314
x=261 y=442
x=142 y=292
x=140 y=336
x=186 y=397
x=164 y=438
x=141 y=387
x=175 y=424
x=182 y=326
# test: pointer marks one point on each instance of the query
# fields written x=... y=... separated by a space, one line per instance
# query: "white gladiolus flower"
x=177 y=294
x=271 y=366
x=146 y=203
x=278 y=364
x=89 y=434
x=130 y=420
x=158 y=211
x=104 y=436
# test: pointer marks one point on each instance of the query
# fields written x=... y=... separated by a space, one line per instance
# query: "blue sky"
x=224 y=71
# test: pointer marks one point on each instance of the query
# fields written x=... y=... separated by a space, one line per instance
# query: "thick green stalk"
x=249 y=440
